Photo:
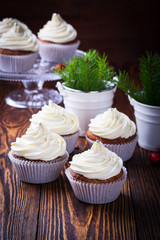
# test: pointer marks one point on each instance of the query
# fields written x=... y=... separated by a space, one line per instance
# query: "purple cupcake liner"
x=96 y=193
x=71 y=141
x=17 y=63
x=57 y=52
x=124 y=151
x=38 y=172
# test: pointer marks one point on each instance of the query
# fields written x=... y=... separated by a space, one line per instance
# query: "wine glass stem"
x=33 y=86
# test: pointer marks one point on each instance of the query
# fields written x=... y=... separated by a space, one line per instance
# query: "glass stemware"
x=33 y=94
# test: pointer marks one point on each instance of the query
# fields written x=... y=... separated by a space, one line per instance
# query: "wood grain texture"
x=123 y=30
x=51 y=211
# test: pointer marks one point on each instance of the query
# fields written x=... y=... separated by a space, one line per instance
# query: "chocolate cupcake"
x=97 y=175
x=39 y=155
x=59 y=120
x=18 y=49
x=115 y=130
x=57 y=40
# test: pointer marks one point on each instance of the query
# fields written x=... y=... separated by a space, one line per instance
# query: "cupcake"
x=57 y=40
x=115 y=130
x=18 y=49
x=7 y=23
x=96 y=175
x=59 y=120
x=39 y=155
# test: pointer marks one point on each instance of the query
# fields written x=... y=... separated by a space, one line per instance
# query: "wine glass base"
x=22 y=98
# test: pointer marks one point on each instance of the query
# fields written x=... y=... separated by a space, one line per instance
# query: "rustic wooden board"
x=19 y=202
x=51 y=211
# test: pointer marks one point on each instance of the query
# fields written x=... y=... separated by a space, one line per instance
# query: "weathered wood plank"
x=19 y=202
x=19 y=206
x=144 y=181
x=62 y=216
x=52 y=211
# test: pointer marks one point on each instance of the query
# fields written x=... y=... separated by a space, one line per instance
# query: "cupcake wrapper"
x=96 y=193
x=18 y=63
x=38 y=172
x=71 y=141
x=57 y=52
x=124 y=151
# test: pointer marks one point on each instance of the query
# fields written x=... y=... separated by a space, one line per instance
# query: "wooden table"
x=51 y=211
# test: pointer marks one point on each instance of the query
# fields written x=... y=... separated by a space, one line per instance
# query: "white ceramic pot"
x=148 y=125
x=86 y=105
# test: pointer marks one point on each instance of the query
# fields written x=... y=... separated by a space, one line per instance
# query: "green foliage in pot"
x=89 y=72
x=149 y=75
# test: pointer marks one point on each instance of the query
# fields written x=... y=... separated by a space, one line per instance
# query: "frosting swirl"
x=97 y=163
x=17 y=38
x=56 y=119
x=7 y=23
x=38 y=143
x=57 y=30
x=112 y=124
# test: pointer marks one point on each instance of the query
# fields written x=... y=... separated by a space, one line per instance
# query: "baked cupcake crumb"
x=115 y=130
x=96 y=175
x=79 y=177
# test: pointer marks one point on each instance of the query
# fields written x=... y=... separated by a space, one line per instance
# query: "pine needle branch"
x=90 y=72
x=149 y=75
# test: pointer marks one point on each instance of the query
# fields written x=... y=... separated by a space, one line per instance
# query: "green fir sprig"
x=149 y=74
x=89 y=72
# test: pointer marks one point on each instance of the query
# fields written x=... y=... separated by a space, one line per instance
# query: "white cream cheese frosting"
x=112 y=124
x=56 y=119
x=39 y=143
x=7 y=23
x=17 y=38
x=57 y=30
x=97 y=163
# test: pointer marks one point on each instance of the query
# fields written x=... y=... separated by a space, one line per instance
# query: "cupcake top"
x=7 y=23
x=18 y=38
x=39 y=144
x=112 y=124
x=56 y=119
x=97 y=163
x=57 y=30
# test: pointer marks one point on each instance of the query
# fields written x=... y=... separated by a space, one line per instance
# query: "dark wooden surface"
x=123 y=30
x=51 y=211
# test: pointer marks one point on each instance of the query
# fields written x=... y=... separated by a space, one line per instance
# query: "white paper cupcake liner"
x=17 y=63
x=124 y=151
x=38 y=172
x=57 y=52
x=71 y=141
x=96 y=193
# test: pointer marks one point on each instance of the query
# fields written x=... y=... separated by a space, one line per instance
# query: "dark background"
x=124 y=30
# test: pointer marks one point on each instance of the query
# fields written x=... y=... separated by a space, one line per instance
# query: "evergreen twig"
x=90 y=72
x=149 y=75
